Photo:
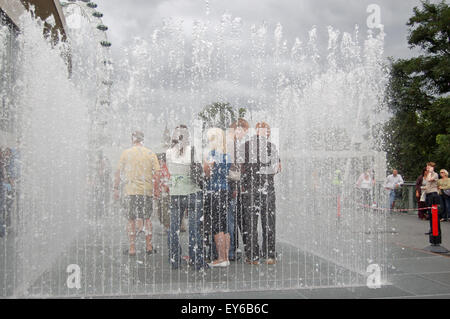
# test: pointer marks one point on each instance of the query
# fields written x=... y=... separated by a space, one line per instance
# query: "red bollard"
x=434 y=221
x=435 y=236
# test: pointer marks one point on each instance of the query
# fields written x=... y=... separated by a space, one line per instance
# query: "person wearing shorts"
x=217 y=166
x=139 y=207
x=138 y=169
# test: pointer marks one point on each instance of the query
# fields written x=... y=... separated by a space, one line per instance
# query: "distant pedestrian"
x=444 y=193
x=392 y=184
x=364 y=186
x=138 y=167
x=3 y=180
x=420 y=194
x=431 y=190
x=7 y=177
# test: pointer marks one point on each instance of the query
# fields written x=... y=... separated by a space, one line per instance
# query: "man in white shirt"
x=392 y=183
x=364 y=186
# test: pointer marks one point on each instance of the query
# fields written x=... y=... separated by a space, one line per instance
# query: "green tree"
x=220 y=115
x=418 y=95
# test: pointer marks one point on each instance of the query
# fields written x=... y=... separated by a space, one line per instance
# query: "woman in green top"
x=184 y=194
x=444 y=192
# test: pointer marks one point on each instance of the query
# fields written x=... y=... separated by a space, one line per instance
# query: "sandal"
x=271 y=261
x=252 y=262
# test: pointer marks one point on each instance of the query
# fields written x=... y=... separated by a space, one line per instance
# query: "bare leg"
x=132 y=236
x=227 y=245
x=220 y=245
x=148 y=234
x=139 y=224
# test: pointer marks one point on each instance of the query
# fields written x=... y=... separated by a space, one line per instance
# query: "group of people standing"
x=433 y=189
x=8 y=181
x=224 y=191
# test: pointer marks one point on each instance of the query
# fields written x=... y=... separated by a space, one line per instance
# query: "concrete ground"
x=411 y=271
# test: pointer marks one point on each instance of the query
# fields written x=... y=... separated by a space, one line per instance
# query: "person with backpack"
x=258 y=188
x=185 y=193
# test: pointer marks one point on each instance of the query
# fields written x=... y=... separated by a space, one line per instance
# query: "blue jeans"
x=391 y=198
x=194 y=204
x=231 y=225
x=445 y=204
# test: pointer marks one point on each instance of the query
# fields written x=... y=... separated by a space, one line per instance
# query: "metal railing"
x=406 y=197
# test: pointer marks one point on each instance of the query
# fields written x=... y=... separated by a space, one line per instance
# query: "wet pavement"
x=107 y=272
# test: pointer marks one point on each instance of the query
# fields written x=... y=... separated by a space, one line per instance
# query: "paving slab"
x=423 y=265
x=410 y=272
x=355 y=293
x=442 y=278
x=433 y=297
x=419 y=285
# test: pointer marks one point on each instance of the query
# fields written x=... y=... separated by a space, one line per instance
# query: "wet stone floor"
x=105 y=270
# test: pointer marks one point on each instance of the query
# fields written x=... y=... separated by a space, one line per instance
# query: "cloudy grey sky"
x=130 y=18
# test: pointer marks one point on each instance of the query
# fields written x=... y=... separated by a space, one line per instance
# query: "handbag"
x=446 y=191
x=422 y=197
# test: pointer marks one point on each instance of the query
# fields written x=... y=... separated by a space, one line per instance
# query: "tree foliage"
x=220 y=115
x=419 y=96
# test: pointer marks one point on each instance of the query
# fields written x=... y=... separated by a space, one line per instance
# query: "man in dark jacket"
x=258 y=194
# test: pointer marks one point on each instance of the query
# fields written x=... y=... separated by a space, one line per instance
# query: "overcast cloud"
x=158 y=94
x=127 y=19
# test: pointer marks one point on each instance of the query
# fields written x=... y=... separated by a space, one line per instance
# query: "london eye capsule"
x=105 y=43
x=102 y=27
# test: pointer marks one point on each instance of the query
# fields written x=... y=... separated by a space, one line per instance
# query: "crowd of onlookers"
x=431 y=189
x=8 y=182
